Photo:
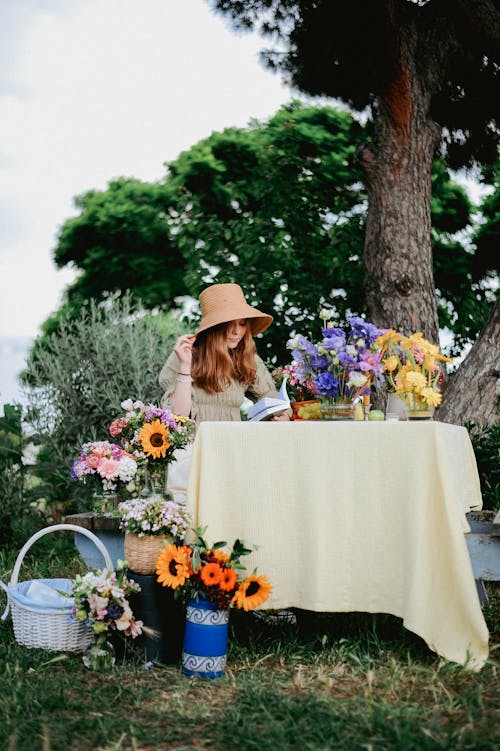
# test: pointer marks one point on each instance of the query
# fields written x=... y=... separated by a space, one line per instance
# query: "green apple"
x=376 y=414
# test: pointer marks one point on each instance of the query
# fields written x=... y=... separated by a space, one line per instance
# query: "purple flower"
x=326 y=384
x=114 y=610
x=347 y=361
x=334 y=343
x=361 y=328
x=318 y=362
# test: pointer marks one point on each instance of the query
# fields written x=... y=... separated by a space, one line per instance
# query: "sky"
x=95 y=89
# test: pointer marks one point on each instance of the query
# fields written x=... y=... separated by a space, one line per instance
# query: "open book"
x=268 y=407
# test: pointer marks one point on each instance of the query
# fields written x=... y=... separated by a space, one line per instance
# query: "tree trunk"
x=473 y=392
x=399 y=283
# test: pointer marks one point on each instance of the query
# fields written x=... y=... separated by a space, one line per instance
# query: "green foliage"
x=359 y=52
x=278 y=207
x=76 y=379
x=15 y=501
x=486 y=443
x=120 y=241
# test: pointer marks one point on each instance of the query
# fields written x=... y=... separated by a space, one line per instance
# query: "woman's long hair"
x=215 y=365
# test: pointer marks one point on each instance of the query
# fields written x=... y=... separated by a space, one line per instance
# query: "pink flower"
x=117 y=426
x=93 y=461
x=109 y=468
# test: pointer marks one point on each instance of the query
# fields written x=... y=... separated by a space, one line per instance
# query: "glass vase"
x=337 y=411
x=105 y=502
x=418 y=410
x=155 y=478
x=100 y=656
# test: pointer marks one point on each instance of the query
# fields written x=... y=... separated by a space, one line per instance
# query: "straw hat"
x=221 y=303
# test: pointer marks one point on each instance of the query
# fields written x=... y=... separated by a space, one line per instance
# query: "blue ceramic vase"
x=205 y=639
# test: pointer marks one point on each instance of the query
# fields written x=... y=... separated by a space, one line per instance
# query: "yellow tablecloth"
x=351 y=516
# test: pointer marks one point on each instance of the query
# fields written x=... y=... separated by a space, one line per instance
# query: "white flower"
x=127 y=468
x=325 y=314
x=356 y=379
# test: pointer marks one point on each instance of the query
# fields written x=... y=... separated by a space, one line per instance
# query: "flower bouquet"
x=100 y=600
x=412 y=368
x=198 y=571
x=211 y=581
x=341 y=365
x=149 y=523
x=152 y=435
x=107 y=464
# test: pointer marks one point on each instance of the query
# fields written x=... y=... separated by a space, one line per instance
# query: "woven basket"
x=42 y=625
x=141 y=552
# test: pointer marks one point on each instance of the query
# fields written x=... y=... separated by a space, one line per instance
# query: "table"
x=351 y=516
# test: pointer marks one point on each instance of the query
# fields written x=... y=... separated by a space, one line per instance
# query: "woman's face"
x=235 y=332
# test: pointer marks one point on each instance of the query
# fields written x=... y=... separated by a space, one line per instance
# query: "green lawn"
x=354 y=682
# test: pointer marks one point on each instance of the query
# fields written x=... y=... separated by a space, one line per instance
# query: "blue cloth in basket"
x=55 y=603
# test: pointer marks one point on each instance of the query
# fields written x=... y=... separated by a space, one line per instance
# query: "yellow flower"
x=431 y=396
x=429 y=362
x=173 y=566
x=389 y=339
x=252 y=592
x=391 y=363
x=154 y=439
x=414 y=380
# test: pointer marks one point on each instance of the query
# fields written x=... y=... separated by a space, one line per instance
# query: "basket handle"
x=55 y=528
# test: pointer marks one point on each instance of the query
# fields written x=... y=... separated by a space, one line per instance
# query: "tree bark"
x=399 y=283
x=473 y=392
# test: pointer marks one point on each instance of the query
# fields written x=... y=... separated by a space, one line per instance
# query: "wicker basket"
x=46 y=626
x=141 y=552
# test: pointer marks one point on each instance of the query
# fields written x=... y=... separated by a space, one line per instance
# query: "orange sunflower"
x=154 y=439
x=252 y=592
x=211 y=574
x=228 y=579
x=173 y=566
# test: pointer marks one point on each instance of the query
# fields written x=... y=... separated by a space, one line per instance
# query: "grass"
x=354 y=681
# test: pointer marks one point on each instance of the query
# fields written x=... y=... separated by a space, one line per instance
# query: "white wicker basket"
x=49 y=627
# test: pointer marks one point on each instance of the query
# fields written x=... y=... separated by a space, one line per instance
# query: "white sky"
x=94 y=89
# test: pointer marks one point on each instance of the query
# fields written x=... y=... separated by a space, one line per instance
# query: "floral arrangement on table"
x=144 y=516
x=151 y=434
x=107 y=464
x=100 y=601
x=412 y=368
x=299 y=389
x=199 y=571
x=341 y=365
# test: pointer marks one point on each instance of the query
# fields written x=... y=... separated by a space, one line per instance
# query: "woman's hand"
x=184 y=351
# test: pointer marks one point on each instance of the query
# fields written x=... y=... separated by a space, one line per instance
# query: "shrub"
x=486 y=443
x=76 y=378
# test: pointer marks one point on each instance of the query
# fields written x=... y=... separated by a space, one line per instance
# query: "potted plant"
x=413 y=370
x=211 y=581
x=340 y=366
x=152 y=435
x=149 y=524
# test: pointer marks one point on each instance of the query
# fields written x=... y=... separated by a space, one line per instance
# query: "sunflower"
x=252 y=592
x=154 y=439
x=172 y=566
x=228 y=579
x=211 y=574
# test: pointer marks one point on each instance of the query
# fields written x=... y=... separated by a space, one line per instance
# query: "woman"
x=209 y=373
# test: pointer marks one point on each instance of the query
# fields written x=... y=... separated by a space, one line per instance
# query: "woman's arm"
x=175 y=377
x=181 y=397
